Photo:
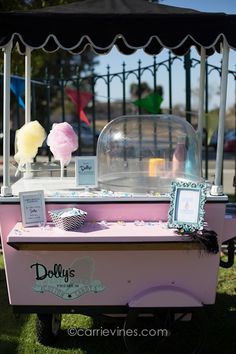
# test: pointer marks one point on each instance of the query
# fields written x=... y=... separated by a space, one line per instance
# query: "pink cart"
x=109 y=267
x=124 y=259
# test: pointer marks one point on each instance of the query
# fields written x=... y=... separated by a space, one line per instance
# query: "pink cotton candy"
x=62 y=141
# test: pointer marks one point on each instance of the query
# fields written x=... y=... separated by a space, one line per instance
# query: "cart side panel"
x=106 y=277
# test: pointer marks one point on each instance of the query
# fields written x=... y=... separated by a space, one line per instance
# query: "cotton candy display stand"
x=68 y=219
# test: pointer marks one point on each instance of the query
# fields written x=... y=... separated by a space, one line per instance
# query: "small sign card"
x=32 y=208
x=86 y=171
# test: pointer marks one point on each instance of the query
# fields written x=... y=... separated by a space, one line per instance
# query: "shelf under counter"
x=100 y=236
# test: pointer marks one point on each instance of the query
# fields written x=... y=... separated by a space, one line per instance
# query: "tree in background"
x=86 y=61
x=57 y=66
x=136 y=91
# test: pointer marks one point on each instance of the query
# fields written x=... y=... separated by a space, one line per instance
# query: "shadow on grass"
x=92 y=343
x=222 y=325
x=8 y=346
x=10 y=326
x=217 y=327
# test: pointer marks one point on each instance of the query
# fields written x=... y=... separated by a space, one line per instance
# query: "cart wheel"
x=163 y=330
x=47 y=327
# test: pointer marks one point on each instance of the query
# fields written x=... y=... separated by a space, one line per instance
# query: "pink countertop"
x=97 y=232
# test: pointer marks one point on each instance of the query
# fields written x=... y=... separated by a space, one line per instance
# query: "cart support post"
x=28 y=85
x=6 y=188
x=217 y=188
x=28 y=174
x=201 y=101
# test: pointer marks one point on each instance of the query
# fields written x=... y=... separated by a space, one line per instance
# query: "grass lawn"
x=17 y=335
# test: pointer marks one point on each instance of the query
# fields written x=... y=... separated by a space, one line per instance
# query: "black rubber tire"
x=47 y=327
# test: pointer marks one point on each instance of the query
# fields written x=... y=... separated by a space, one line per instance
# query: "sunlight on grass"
x=227 y=280
x=76 y=321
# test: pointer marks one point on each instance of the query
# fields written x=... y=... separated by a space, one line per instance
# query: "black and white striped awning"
x=128 y=24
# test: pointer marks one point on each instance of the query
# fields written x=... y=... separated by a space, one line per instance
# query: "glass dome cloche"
x=145 y=153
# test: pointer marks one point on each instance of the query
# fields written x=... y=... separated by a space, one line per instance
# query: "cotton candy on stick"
x=62 y=141
x=28 y=139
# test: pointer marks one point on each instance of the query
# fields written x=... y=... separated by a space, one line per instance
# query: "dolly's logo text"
x=67 y=282
x=58 y=272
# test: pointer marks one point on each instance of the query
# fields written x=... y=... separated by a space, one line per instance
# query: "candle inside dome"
x=155 y=164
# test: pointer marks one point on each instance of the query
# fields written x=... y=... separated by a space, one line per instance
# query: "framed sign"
x=86 y=171
x=187 y=206
x=32 y=208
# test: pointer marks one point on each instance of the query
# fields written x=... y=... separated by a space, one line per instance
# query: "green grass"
x=17 y=335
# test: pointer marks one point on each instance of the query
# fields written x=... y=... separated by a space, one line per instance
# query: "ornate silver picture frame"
x=187 y=201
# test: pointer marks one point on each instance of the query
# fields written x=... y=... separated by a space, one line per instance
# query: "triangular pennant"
x=150 y=103
x=18 y=88
x=80 y=99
